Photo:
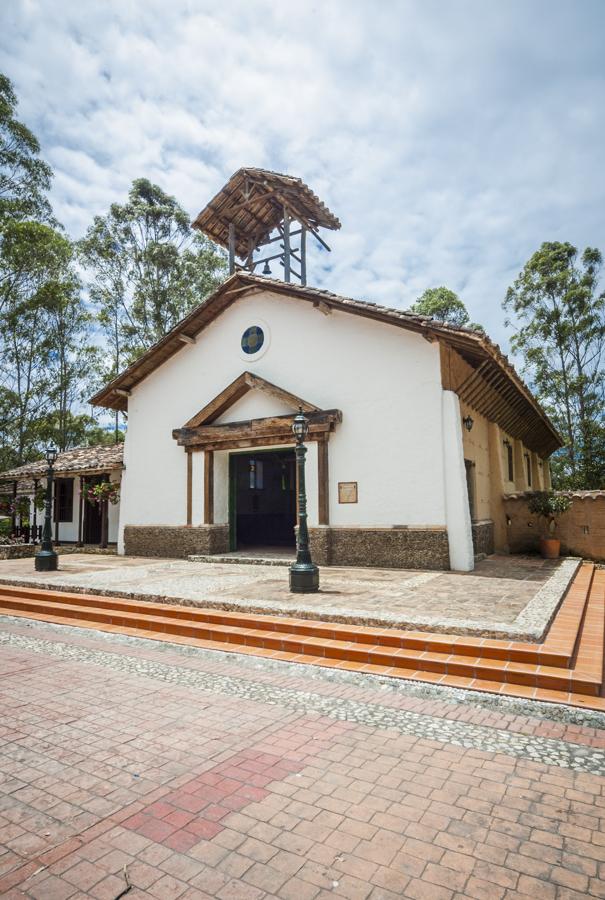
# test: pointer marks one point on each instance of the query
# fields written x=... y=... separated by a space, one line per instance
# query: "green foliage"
x=44 y=326
x=559 y=314
x=549 y=506
x=24 y=177
x=148 y=270
x=446 y=306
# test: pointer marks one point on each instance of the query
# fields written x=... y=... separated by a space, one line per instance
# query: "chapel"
x=417 y=429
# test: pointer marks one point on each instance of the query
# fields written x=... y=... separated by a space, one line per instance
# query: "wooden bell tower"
x=261 y=217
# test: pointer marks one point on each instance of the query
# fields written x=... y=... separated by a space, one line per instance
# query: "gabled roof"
x=103 y=458
x=253 y=200
x=475 y=347
x=239 y=388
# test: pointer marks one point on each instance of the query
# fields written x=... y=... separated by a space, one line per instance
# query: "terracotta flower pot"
x=550 y=548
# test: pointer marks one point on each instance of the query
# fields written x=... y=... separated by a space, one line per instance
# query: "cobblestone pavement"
x=498 y=592
x=188 y=773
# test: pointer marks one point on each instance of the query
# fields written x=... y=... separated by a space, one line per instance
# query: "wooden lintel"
x=284 y=439
x=210 y=436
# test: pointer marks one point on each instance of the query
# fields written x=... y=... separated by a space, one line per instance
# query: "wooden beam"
x=186 y=339
x=323 y=480
x=122 y=392
x=238 y=389
x=209 y=435
x=208 y=487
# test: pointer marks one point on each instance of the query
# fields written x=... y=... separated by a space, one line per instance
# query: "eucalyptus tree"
x=558 y=310
x=445 y=305
x=147 y=270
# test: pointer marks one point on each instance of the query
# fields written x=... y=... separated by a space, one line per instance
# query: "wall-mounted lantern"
x=468 y=423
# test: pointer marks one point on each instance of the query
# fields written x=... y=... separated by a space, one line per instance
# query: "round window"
x=253 y=339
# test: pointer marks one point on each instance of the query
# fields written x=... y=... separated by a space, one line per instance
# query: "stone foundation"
x=175 y=541
x=483 y=537
x=17 y=551
x=391 y=548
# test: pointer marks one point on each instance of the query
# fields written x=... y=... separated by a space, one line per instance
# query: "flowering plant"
x=106 y=490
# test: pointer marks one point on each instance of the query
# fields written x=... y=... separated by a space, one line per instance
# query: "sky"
x=451 y=137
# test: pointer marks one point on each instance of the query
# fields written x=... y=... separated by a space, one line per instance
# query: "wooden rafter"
x=239 y=388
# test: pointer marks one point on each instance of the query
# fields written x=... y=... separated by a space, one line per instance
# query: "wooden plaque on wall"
x=347 y=492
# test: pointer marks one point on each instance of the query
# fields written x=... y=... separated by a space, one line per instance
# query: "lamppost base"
x=304 y=579
x=46 y=561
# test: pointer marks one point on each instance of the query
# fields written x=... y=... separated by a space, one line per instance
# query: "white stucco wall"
x=458 y=515
x=385 y=380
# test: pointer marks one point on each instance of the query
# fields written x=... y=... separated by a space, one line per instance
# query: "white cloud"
x=451 y=138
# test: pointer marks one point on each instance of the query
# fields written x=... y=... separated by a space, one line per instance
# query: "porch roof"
x=79 y=460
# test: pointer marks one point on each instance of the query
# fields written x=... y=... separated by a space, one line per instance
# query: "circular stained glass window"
x=253 y=339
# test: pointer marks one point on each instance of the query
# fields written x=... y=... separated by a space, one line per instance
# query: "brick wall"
x=581 y=530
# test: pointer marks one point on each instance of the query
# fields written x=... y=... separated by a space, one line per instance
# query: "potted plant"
x=549 y=506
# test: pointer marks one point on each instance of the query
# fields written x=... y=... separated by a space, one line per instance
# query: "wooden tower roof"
x=253 y=200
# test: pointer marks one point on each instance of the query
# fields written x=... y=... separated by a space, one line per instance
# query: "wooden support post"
x=14 y=509
x=208 y=487
x=35 y=515
x=189 y=455
x=323 y=480
x=286 y=245
x=231 y=248
x=303 y=255
x=104 y=525
x=81 y=512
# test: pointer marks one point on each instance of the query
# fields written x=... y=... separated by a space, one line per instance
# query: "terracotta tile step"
x=252 y=640
x=556 y=652
x=468 y=682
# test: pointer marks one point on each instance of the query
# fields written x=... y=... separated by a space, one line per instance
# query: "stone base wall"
x=581 y=529
x=17 y=551
x=175 y=541
x=483 y=537
x=391 y=548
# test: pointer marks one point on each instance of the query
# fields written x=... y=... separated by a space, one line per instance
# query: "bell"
x=266 y=268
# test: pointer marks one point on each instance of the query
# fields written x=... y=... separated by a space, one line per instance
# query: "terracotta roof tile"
x=80 y=459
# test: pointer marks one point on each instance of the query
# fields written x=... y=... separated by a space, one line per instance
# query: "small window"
x=528 y=465
x=509 y=461
x=64 y=499
x=253 y=339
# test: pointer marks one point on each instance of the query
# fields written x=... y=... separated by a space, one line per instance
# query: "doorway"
x=262 y=499
x=93 y=515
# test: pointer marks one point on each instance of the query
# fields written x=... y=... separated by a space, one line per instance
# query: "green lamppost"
x=46 y=559
x=304 y=576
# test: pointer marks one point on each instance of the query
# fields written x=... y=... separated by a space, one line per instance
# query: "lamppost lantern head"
x=51 y=454
x=468 y=422
x=300 y=426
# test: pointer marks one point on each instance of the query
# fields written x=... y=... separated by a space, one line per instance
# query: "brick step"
x=557 y=651
x=238 y=637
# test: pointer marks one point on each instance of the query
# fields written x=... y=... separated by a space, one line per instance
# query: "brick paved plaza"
x=187 y=773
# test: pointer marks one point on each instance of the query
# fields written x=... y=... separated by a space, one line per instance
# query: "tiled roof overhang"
x=79 y=460
x=475 y=347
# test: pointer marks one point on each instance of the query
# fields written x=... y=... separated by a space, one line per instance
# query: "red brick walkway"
x=108 y=774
